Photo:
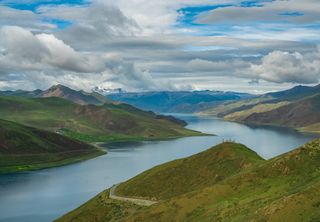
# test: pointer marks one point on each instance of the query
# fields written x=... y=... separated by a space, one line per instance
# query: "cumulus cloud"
x=93 y=25
x=281 y=67
x=140 y=45
x=41 y=58
x=21 y=49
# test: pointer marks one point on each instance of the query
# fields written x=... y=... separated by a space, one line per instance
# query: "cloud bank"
x=160 y=45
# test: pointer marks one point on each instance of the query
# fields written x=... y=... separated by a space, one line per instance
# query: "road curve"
x=141 y=202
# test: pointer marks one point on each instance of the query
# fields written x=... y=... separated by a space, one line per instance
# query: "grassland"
x=26 y=148
x=260 y=108
x=90 y=123
x=190 y=173
x=285 y=188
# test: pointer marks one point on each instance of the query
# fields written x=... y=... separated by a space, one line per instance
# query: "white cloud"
x=281 y=67
x=135 y=44
x=44 y=58
x=21 y=49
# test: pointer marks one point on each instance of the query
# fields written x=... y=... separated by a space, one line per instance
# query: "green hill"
x=91 y=123
x=192 y=173
x=27 y=148
x=285 y=188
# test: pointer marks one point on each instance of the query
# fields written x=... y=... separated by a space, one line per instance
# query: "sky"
x=148 y=45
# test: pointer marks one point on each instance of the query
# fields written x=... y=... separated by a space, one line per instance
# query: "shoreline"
x=58 y=163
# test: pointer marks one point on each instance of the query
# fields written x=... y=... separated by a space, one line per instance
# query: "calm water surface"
x=44 y=195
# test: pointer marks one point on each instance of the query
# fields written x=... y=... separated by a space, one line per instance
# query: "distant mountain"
x=22 y=93
x=296 y=107
x=302 y=113
x=290 y=95
x=295 y=93
x=179 y=101
x=91 y=123
x=79 y=97
x=229 y=182
x=27 y=148
x=64 y=92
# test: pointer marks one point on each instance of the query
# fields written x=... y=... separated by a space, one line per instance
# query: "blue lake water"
x=44 y=195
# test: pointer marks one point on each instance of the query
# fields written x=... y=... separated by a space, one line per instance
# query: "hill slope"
x=284 y=188
x=91 y=123
x=296 y=107
x=188 y=174
x=303 y=113
x=79 y=97
x=295 y=93
x=26 y=148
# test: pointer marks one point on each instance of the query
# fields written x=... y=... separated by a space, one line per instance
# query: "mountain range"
x=298 y=107
x=61 y=91
x=178 y=101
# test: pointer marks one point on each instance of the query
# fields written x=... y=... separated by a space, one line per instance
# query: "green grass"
x=285 y=188
x=90 y=123
x=192 y=173
x=18 y=163
x=105 y=209
x=26 y=148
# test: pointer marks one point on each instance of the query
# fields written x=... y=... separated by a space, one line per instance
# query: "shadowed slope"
x=25 y=148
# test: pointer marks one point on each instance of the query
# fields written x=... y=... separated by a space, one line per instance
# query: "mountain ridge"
x=91 y=123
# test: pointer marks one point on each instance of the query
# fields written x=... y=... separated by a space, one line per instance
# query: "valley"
x=72 y=185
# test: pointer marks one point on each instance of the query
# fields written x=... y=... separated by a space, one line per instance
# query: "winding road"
x=141 y=202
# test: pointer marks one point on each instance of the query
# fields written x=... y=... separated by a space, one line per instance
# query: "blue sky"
x=33 y=5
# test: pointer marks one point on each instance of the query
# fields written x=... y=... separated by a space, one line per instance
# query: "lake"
x=44 y=195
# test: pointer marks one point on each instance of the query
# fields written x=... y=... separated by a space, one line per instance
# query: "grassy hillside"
x=286 y=96
x=26 y=148
x=231 y=107
x=260 y=108
x=284 y=188
x=303 y=113
x=188 y=174
x=297 y=107
x=91 y=123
